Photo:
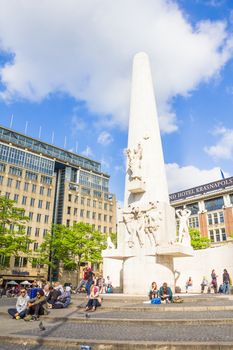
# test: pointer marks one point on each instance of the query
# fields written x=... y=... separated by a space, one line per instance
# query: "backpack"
x=155 y=301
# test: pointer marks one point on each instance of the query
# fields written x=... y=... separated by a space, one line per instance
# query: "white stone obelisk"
x=146 y=237
x=144 y=129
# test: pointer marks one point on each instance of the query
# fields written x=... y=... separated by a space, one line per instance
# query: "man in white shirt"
x=20 y=310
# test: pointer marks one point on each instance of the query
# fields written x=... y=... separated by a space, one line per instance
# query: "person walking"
x=214 y=282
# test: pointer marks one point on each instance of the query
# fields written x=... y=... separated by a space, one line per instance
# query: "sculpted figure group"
x=141 y=223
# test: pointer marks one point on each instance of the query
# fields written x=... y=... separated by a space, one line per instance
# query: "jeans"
x=226 y=288
x=13 y=311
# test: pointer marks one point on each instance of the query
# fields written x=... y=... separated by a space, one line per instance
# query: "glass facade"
x=26 y=160
x=94 y=181
x=214 y=204
x=48 y=150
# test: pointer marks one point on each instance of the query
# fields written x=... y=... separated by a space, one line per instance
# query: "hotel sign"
x=212 y=186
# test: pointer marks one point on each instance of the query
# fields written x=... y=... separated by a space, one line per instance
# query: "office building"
x=52 y=185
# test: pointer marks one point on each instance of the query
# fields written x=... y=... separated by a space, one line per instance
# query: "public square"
x=202 y=321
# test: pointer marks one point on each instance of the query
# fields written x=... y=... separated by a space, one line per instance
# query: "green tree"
x=197 y=241
x=73 y=245
x=13 y=238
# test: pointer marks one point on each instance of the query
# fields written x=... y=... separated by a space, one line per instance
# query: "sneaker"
x=17 y=317
x=28 y=318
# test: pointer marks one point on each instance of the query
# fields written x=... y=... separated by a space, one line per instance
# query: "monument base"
x=175 y=250
x=136 y=186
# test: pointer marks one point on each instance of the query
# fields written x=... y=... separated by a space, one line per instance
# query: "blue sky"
x=65 y=69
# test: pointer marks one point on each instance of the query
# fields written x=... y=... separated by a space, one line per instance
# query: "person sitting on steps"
x=153 y=292
x=165 y=293
x=94 y=299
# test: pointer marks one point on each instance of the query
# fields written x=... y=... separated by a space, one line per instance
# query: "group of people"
x=105 y=286
x=36 y=300
x=206 y=285
x=164 y=293
x=224 y=287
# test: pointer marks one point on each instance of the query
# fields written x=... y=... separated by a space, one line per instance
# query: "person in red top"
x=83 y=280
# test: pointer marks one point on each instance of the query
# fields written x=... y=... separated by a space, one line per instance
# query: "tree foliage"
x=13 y=238
x=197 y=241
x=73 y=245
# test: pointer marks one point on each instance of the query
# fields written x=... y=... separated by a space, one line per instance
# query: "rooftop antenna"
x=11 y=123
x=26 y=128
x=52 y=137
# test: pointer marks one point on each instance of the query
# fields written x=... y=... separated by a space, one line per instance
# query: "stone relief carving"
x=140 y=223
x=134 y=161
x=183 y=237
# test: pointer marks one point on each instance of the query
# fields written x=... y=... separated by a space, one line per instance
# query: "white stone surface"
x=146 y=224
x=202 y=263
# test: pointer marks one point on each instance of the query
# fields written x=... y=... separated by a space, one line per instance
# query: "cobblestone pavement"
x=160 y=315
x=135 y=332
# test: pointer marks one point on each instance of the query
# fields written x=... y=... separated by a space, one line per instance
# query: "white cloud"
x=105 y=138
x=88 y=152
x=224 y=146
x=77 y=124
x=181 y=178
x=85 y=49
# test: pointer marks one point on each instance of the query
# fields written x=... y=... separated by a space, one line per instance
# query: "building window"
x=31 y=176
x=110 y=229
x=105 y=218
x=75 y=211
x=88 y=214
x=82 y=213
x=70 y=197
x=15 y=171
x=16 y=198
x=7 y=195
x=99 y=216
x=214 y=204
x=38 y=218
x=32 y=202
x=49 y=192
x=82 y=200
x=68 y=223
x=37 y=232
x=215 y=218
x=20 y=261
x=30 y=215
x=47 y=205
x=105 y=229
x=100 y=205
x=94 y=215
x=4 y=261
x=99 y=228
x=46 y=219
x=110 y=207
x=33 y=188
x=193 y=222
x=41 y=190
x=88 y=202
x=45 y=231
x=105 y=206
x=68 y=210
x=24 y=200
x=26 y=186
x=94 y=204
x=110 y=218
x=40 y=203
x=76 y=199
x=217 y=235
x=35 y=246
x=17 y=184
x=9 y=182
x=29 y=231
x=1 y=179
